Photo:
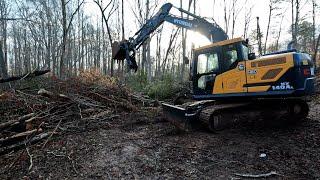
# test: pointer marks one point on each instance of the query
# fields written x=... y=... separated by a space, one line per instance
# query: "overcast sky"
x=206 y=8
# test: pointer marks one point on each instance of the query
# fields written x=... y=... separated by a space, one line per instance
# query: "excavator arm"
x=126 y=49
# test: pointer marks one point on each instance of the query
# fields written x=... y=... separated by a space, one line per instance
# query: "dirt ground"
x=141 y=145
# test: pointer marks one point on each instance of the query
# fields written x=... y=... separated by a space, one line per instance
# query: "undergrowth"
x=160 y=88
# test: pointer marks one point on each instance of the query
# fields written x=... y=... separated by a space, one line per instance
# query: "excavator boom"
x=126 y=49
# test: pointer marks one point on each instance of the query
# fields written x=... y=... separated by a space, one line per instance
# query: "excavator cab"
x=211 y=61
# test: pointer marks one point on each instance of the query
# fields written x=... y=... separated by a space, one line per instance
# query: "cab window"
x=245 y=51
x=230 y=55
x=208 y=62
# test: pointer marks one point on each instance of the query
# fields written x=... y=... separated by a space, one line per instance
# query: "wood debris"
x=34 y=114
x=272 y=173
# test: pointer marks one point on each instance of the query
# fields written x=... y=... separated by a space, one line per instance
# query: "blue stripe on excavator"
x=307 y=90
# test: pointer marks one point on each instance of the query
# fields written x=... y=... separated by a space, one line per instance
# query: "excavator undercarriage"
x=218 y=115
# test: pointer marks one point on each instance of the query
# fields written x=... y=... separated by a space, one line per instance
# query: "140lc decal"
x=283 y=86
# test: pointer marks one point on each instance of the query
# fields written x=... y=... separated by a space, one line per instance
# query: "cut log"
x=126 y=105
x=22 y=144
x=53 y=96
x=27 y=75
x=145 y=100
x=13 y=123
x=17 y=137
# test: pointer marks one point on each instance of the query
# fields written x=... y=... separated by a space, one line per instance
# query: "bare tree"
x=259 y=36
x=296 y=23
x=235 y=14
x=111 y=7
x=3 y=66
x=314 y=5
x=247 y=19
x=213 y=8
x=271 y=8
x=3 y=49
x=292 y=20
x=142 y=12
x=122 y=19
x=226 y=17
x=158 y=51
x=169 y=49
x=65 y=28
x=295 y=7
x=316 y=50
x=279 y=33
x=183 y=42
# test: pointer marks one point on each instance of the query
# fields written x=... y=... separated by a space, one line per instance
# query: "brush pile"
x=35 y=110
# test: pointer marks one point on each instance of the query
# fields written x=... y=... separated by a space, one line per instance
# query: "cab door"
x=234 y=67
x=207 y=68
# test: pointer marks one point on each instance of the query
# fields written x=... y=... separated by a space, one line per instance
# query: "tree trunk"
x=296 y=23
x=122 y=19
x=226 y=22
x=316 y=51
x=213 y=8
x=247 y=20
x=292 y=20
x=64 y=38
x=279 y=34
x=65 y=30
x=314 y=5
x=183 y=43
x=268 y=27
x=3 y=67
x=148 y=55
x=233 y=16
x=259 y=37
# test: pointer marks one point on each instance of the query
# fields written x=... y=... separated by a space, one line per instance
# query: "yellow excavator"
x=228 y=82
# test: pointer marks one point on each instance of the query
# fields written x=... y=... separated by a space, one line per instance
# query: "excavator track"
x=218 y=116
x=222 y=116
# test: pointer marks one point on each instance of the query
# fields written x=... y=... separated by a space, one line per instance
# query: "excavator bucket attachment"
x=178 y=116
x=118 y=53
x=121 y=51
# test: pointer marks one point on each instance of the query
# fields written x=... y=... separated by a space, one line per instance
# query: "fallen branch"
x=12 y=123
x=125 y=105
x=272 y=173
x=145 y=101
x=54 y=96
x=30 y=158
x=21 y=145
x=53 y=132
x=24 y=76
x=13 y=139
